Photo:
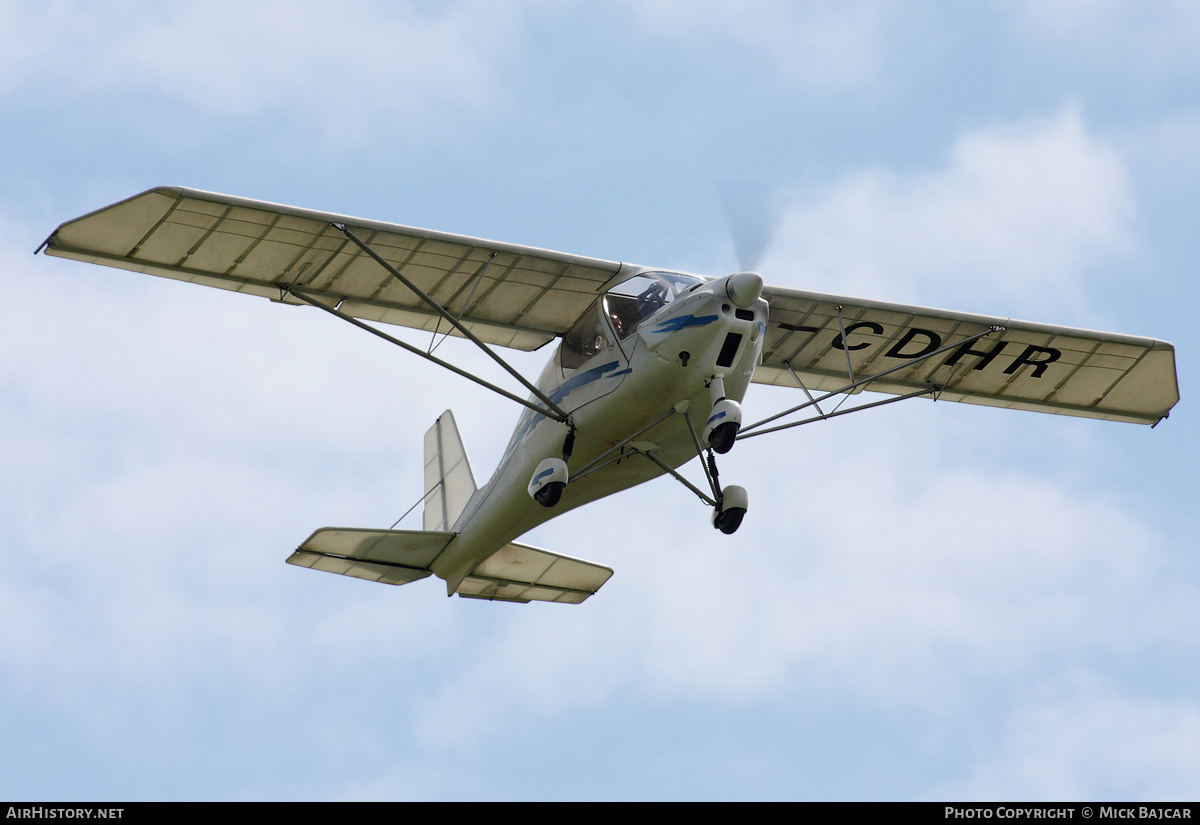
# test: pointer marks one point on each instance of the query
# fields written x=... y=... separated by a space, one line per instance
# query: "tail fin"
x=449 y=482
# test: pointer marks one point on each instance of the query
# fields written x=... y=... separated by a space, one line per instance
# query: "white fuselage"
x=634 y=378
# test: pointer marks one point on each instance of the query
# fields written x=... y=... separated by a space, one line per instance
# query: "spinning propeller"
x=754 y=212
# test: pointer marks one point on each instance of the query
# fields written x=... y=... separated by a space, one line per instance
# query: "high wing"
x=1025 y=366
x=509 y=295
x=523 y=297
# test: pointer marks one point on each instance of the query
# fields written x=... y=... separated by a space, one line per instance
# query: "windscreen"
x=632 y=302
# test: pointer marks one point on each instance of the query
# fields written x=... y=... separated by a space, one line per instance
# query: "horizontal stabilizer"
x=386 y=556
x=520 y=573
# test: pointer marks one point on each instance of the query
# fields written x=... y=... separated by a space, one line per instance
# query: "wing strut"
x=800 y=383
x=599 y=461
x=842 y=338
x=663 y=466
x=434 y=343
x=826 y=416
x=862 y=382
x=300 y=293
x=709 y=466
x=558 y=415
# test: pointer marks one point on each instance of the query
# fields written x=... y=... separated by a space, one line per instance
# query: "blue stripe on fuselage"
x=530 y=419
x=676 y=324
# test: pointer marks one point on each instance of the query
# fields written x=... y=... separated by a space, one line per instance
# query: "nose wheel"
x=722 y=437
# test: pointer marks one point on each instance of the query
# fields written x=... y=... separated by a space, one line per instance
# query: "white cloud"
x=953 y=575
x=1019 y=213
x=1088 y=742
x=169 y=449
x=162 y=445
x=309 y=67
x=866 y=576
x=899 y=587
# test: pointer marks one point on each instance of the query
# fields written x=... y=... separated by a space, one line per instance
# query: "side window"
x=624 y=312
x=584 y=340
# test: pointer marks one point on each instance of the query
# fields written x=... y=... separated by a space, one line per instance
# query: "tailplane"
x=520 y=573
x=513 y=573
x=385 y=556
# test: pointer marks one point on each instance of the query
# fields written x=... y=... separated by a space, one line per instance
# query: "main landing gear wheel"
x=548 y=482
x=727 y=517
x=549 y=495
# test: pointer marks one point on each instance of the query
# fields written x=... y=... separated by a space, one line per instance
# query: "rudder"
x=449 y=482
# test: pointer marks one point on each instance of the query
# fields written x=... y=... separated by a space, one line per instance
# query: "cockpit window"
x=635 y=300
x=584 y=340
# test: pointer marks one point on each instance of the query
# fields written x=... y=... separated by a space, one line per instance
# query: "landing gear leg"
x=724 y=421
x=732 y=501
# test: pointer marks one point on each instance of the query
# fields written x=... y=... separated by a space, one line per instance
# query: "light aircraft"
x=649 y=374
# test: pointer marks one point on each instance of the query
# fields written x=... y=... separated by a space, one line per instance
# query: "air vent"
x=729 y=349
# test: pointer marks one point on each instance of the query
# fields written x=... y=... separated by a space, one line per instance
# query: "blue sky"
x=928 y=601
